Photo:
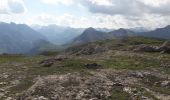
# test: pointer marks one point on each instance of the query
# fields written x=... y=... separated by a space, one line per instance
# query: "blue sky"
x=87 y=13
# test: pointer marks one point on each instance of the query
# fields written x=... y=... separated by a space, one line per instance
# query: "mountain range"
x=21 y=38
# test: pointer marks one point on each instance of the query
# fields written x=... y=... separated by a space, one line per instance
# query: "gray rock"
x=137 y=75
x=165 y=84
x=42 y=98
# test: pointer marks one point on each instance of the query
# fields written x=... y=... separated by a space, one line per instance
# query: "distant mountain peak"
x=167 y=27
x=12 y=23
x=90 y=29
x=90 y=35
x=122 y=30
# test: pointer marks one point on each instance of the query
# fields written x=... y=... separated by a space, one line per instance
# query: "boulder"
x=93 y=66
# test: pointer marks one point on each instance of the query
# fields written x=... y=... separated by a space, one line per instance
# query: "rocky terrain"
x=128 y=69
x=99 y=85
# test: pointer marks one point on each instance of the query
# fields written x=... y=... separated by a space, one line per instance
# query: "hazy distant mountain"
x=57 y=34
x=121 y=33
x=43 y=46
x=18 y=38
x=163 y=33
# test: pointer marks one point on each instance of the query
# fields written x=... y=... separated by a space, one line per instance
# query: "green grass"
x=127 y=62
x=144 y=40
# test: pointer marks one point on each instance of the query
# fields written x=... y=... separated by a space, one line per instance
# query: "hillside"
x=113 y=44
x=104 y=70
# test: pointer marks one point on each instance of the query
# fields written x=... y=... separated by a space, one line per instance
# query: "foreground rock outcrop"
x=164 y=48
x=97 y=85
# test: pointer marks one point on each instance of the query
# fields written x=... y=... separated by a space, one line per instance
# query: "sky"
x=87 y=13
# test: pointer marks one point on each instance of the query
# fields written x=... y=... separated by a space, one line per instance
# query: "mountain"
x=18 y=38
x=90 y=35
x=162 y=33
x=57 y=34
x=121 y=33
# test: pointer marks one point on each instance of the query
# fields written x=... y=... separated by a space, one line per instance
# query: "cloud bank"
x=129 y=7
x=97 y=13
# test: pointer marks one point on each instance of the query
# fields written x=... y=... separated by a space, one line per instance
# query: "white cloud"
x=56 y=2
x=12 y=6
x=101 y=2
